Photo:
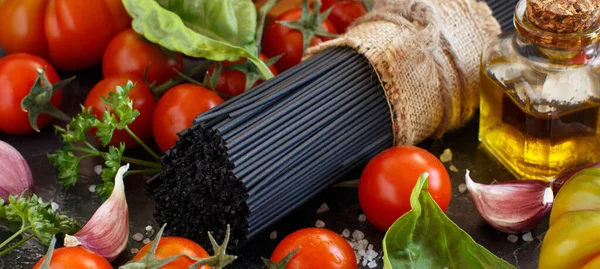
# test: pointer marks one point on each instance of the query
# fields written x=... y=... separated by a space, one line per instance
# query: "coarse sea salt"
x=324 y=208
x=320 y=224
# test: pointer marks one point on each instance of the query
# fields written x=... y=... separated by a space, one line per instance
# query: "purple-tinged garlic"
x=514 y=206
x=15 y=177
x=107 y=231
x=559 y=181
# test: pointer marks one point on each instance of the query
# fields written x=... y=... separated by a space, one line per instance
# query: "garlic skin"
x=107 y=231
x=15 y=177
x=514 y=206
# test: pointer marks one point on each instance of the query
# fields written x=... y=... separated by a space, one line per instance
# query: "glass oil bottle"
x=540 y=96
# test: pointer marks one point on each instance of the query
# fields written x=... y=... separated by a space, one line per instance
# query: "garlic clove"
x=559 y=181
x=15 y=177
x=514 y=206
x=107 y=231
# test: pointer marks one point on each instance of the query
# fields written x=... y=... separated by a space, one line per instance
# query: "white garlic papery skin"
x=15 y=175
x=107 y=231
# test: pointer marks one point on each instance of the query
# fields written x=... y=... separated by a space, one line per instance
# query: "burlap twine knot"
x=426 y=54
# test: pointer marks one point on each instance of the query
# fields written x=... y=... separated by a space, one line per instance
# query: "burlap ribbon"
x=426 y=54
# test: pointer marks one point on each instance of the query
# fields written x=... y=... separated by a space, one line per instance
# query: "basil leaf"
x=218 y=30
x=426 y=238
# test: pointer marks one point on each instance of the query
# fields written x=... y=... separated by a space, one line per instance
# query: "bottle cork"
x=564 y=16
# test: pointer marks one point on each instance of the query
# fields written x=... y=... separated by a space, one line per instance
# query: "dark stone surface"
x=80 y=203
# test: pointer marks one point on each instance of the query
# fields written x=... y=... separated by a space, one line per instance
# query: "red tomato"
x=176 y=110
x=344 y=13
x=387 y=181
x=128 y=53
x=172 y=246
x=233 y=82
x=325 y=4
x=72 y=34
x=75 y=258
x=280 y=40
x=143 y=101
x=317 y=248
x=17 y=76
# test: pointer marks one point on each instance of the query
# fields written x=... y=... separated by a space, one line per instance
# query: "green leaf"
x=76 y=130
x=67 y=164
x=112 y=160
x=426 y=238
x=119 y=115
x=42 y=220
x=218 y=30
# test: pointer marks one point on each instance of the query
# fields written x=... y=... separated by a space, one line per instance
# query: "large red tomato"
x=72 y=34
x=344 y=13
x=317 y=248
x=17 y=76
x=280 y=40
x=387 y=181
x=176 y=110
x=75 y=258
x=171 y=246
x=142 y=98
x=129 y=53
x=233 y=82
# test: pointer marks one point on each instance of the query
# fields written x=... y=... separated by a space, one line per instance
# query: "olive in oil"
x=536 y=139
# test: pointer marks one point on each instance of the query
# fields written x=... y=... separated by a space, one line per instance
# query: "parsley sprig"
x=28 y=217
x=119 y=115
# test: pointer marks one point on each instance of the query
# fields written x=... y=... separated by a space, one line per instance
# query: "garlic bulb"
x=15 y=177
x=107 y=231
x=513 y=206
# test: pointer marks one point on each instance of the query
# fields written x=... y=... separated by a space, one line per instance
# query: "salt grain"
x=346 y=233
x=364 y=262
x=134 y=250
x=362 y=217
x=370 y=247
x=137 y=237
x=372 y=264
x=512 y=238
x=320 y=224
x=148 y=228
x=98 y=169
x=527 y=237
x=92 y=188
x=362 y=252
x=273 y=235
x=323 y=208
x=146 y=241
x=446 y=156
x=55 y=206
x=358 y=235
x=462 y=187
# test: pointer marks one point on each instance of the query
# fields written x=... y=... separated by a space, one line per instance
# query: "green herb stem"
x=141 y=162
x=137 y=139
x=12 y=237
x=94 y=152
x=158 y=91
x=15 y=245
x=144 y=171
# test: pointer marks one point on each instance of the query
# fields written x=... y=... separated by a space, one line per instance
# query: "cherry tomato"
x=75 y=258
x=176 y=110
x=17 y=76
x=280 y=40
x=143 y=101
x=344 y=13
x=325 y=4
x=388 y=179
x=233 y=82
x=317 y=248
x=129 y=53
x=72 y=34
x=172 y=246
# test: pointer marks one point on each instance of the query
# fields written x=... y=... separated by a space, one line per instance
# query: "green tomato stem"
x=15 y=245
x=137 y=139
x=158 y=91
x=262 y=67
x=12 y=237
x=142 y=162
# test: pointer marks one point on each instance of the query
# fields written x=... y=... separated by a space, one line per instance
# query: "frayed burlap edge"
x=426 y=54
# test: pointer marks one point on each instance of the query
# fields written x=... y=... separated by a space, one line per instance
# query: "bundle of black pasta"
x=253 y=159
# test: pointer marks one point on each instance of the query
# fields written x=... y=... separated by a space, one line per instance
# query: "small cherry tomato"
x=17 y=76
x=280 y=40
x=172 y=246
x=128 y=52
x=233 y=82
x=176 y=110
x=142 y=98
x=325 y=4
x=344 y=13
x=317 y=248
x=388 y=179
x=75 y=258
